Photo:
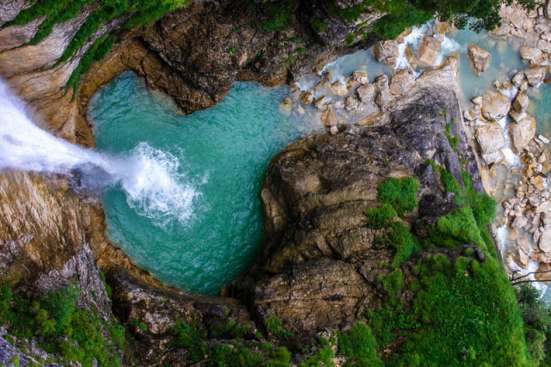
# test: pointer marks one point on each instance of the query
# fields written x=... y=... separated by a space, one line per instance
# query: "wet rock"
x=480 y=58
x=351 y=103
x=383 y=96
x=386 y=52
x=429 y=51
x=495 y=105
x=491 y=140
x=522 y=132
x=401 y=82
x=339 y=88
x=521 y=102
x=360 y=76
x=535 y=76
x=321 y=102
x=329 y=117
x=532 y=55
x=307 y=97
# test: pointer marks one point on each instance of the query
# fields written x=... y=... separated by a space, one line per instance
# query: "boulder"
x=307 y=97
x=386 y=52
x=339 y=88
x=351 y=103
x=548 y=9
x=491 y=140
x=360 y=76
x=545 y=46
x=522 y=132
x=329 y=117
x=532 y=55
x=366 y=93
x=544 y=242
x=429 y=51
x=535 y=75
x=495 y=105
x=402 y=82
x=521 y=102
x=480 y=58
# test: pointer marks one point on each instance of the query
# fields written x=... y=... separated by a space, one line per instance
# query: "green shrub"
x=188 y=337
x=402 y=240
x=393 y=283
x=279 y=15
x=359 y=346
x=322 y=358
x=457 y=228
x=401 y=193
x=226 y=355
x=380 y=217
x=275 y=327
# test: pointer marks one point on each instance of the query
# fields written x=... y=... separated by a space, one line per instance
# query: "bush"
x=401 y=193
x=359 y=346
x=188 y=337
x=275 y=327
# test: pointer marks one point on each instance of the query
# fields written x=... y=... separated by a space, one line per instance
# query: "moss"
x=323 y=357
x=402 y=240
x=380 y=217
x=279 y=15
x=359 y=346
x=457 y=228
x=452 y=139
x=229 y=328
x=401 y=193
x=393 y=283
x=319 y=25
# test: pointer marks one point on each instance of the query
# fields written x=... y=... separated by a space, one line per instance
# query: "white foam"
x=150 y=178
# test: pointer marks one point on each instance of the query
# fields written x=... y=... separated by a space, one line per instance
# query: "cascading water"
x=149 y=177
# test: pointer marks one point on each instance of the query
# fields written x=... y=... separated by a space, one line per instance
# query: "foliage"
x=229 y=328
x=401 y=193
x=393 y=283
x=380 y=217
x=61 y=327
x=359 y=346
x=279 y=15
x=537 y=323
x=275 y=327
x=322 y=358
x=452 y=139
x=188 y=337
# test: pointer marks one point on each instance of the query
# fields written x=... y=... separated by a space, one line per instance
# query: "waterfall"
x=150 y=178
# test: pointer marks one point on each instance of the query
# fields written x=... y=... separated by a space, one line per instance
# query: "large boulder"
x=480 y=58
x=522 y=132
x=429 y=51
x=495 y=105
x=491 y=140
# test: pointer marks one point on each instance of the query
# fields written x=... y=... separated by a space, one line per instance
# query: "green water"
x=223 y=152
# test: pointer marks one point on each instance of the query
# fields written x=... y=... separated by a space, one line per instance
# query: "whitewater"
x=151 y=179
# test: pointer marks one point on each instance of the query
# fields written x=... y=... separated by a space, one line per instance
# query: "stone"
x=307 y=97
x=521 y=102
x=402 y=82
x=429 y=51
x=532 y=55
x=479 y=57
x=321 y=102
x=366 y=93
x=522 y=132
x=286 y=105
x=351 y=103
x=518 y=78
x=477 y=100
x=548 y=9
x=538 y=182
x=491 y=140
x=339 y=88
x=495 y=105
x=544 y=46
x=329 y=117
x=544 y=242
x=360 y=76
x=386 y=52
x=535 y=76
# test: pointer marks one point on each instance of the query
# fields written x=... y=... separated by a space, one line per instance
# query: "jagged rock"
x=532 y=55
x=366 y=93
x=351 y=103
x=495 y=105
x=491 y=140
x=429 y=51
x=535 y=76
x=401 y=82
x=360 y=76
x=545 y=46
x=522 y=132
x=307 y=97
x=383 y=96
x=321 y=102
x=544 y=242
x=480 y=58
x=518 y=78
x=521 y=102
x=329 y=117
x=386 y=52
x=339 y=88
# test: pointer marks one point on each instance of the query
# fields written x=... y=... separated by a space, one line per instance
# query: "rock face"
x=321 y=262
x=480 y=58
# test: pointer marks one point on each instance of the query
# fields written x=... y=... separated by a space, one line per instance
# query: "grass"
x=380 y=217
x=61 y=327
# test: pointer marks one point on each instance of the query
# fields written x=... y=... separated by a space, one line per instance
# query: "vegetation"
x=275 y=327
x=61 y=327
x=400 y=193
x=380 y=217
x=359 y=346
x=137 y=13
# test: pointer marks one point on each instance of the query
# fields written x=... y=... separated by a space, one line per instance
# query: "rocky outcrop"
x=480 y=58
x=322 y=262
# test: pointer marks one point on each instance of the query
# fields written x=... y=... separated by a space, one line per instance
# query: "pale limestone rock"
x=491 y=140
x=429 y=51
x=339 y=88
x=402 y=82
x=544 y=45
x=480 y=58
x=360 y=76
x=544 y=242
x=307 y=97
x=321 y=102
x=351 y=103
x=535 y=76
x=495 y=105
x=386 y=52
x=366 y=92
x=329 y=117
x=533 y=55
x=521 y=102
